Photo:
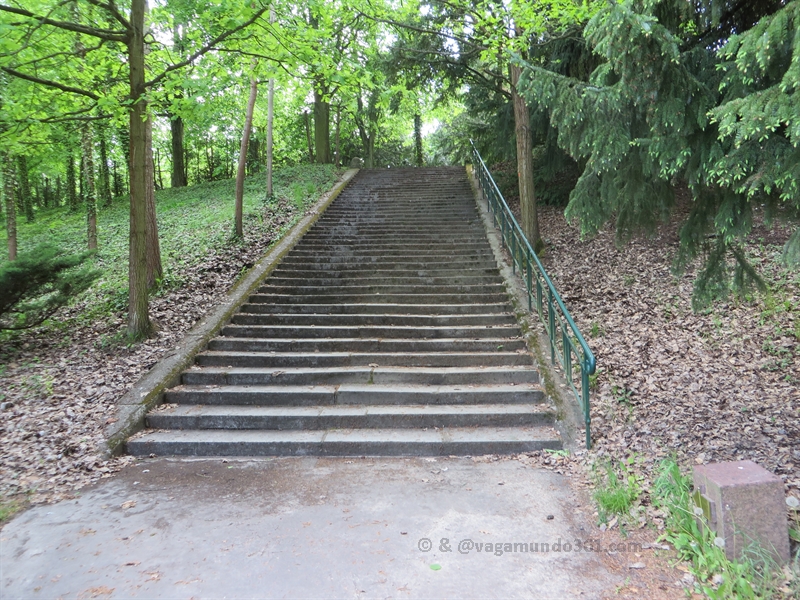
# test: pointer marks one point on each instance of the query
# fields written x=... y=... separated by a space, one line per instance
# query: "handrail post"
x=528 y=265
x=513 y=253
x=551 y=322
x=587 y=416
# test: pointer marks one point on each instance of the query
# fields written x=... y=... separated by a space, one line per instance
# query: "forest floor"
x=59 y=383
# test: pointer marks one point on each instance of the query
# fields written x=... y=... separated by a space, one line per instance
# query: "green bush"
x=39 y=282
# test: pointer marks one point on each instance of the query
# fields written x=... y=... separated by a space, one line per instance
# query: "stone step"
x=355 y=393
x=371 y=331
x=310 y=376
x=376 y=298
x=467 y=441
x=278 y=360
x=424 y=290
x=394 y=255
x=234 y=344
x=385 y=308
x=366 y=278
x=245 y=318
x=364 y=262
x=374 y=226
x=337 y=244
x=207 y=416
x=388 y=273
x=368 y=234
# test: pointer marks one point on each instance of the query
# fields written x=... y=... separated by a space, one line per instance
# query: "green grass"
x=192 y=222
x=8 y=508
x=617 y=488
x=754 y=576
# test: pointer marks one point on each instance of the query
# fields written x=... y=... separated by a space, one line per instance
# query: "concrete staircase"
x=386 y=331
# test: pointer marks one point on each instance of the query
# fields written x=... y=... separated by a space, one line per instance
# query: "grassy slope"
x=192 y=222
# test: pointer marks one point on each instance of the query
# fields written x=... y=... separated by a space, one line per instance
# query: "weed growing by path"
x=754 y=577
x=617 y=487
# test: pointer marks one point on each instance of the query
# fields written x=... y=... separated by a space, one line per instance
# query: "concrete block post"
x=744 y=504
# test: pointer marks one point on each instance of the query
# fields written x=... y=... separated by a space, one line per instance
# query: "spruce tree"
x=665 y=104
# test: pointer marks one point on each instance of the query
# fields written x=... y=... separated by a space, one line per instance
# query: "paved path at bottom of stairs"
x=306 y=528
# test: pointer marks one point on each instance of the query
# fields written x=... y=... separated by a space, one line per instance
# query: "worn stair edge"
x=347 y=442
x=446 y=358
x=188 y=416
x=515 y=374
x=371 y=308
x=146 y=393
x=354 y=394
x=363 y=345
x=252 y=318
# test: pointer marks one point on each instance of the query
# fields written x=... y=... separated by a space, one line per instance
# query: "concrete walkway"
x=308 y=528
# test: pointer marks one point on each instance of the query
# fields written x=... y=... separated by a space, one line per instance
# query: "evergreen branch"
x=48 y=83
x=207 y=48
x=105 y=34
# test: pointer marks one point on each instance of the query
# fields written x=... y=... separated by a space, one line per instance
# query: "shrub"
x=39 y=282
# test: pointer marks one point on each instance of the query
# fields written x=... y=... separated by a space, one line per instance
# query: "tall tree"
x=178 y=175
x=9 y=182
x=418 y=160
x=104 y=189
x=240 y=172
x=72 y=194
x=87 y=176
x=24 y=184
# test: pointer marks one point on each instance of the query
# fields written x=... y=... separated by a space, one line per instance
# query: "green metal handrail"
x=552 y=312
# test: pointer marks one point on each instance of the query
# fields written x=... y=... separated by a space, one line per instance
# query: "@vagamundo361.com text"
x=470 y=546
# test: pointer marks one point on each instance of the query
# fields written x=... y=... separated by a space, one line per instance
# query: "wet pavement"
x=309 y=528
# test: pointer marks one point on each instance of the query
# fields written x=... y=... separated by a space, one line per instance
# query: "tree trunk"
x=248 y=123
x=116 y=179
x=11 y=207
x=522 y=130
x=418 y=140
x=322 y=129
x=270 y=123
x=125 y=141
x=337 y=157
x=370 y=161
x=154 y=271
x=105 y=176
x=178 y=177
x=139 y=325
x=24 y=188
x=89 y=187
x=72 y=194
x=308 y=138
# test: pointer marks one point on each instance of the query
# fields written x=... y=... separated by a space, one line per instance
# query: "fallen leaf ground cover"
x=714 y=385
x=59 y=383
